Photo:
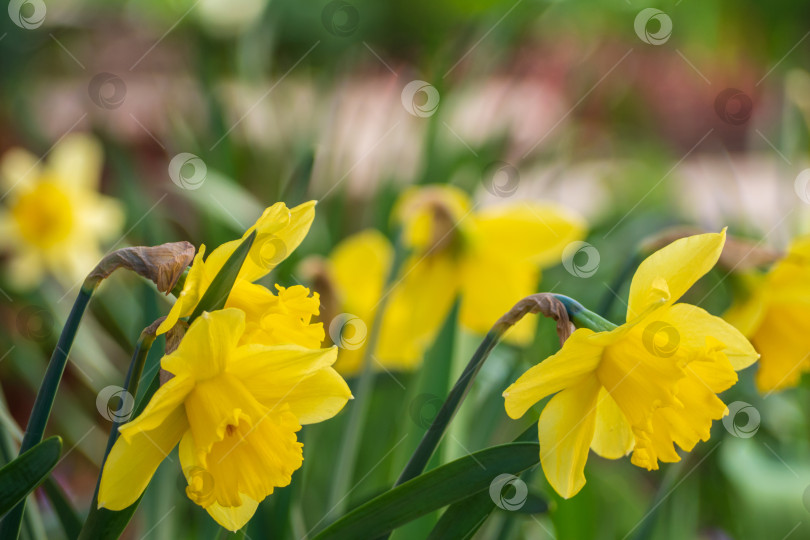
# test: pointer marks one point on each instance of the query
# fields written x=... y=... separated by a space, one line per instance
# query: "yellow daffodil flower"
x=55 y=219
x=490 y=258
x=643 y=386
x=279 y=231
x=234 y=405
x=775 y=315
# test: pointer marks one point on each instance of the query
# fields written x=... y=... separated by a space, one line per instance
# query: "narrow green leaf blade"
x=217 y=293
x=463 y=518
x=22 y=475
x=433 y=490
x=68 y=517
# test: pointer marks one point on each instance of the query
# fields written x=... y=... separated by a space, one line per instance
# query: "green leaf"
x=433 y=490
x=217 y=293
x=22 y=475
x=71 y=523
x=463 y=518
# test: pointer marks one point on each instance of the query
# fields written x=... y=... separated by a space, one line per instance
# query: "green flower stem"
x=10 y=526
x=347 y=454
x=131 y=383
x=583 y=318
x=427 y=446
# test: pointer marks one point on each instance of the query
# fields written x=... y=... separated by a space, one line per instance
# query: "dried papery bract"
x=545 y=304
x=738 y=253
x=163 y=264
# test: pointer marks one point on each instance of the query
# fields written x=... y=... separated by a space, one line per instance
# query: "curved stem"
x=34 y=431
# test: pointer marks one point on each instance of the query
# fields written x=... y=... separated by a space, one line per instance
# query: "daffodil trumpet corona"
x=642 y=387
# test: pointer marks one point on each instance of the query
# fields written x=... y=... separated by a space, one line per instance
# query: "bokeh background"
x=697 y=114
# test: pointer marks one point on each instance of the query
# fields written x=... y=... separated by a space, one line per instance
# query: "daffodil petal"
x=319 y=397
x=417 y=306
x=575 y=362
x=490 y=286
x=77 y=161
x=565 y=432
x=529 y=231
x=782 y=340
x=19 y=169
x=189 y=296
x=168 y=398
x=293 y=375
x=680 y=265
x=132 y=462
x=359 y=266
x=209 y=341
x=612 y=437
x=694 y=325
x=231 y=518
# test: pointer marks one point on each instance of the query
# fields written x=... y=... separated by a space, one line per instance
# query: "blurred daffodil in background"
x=641 y=387
x=773 y=310
x=234 y=404
x=490 y=258
x=54 y=220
